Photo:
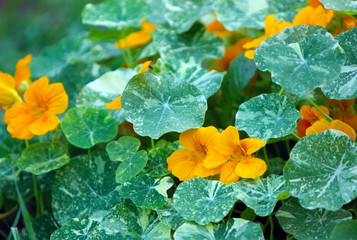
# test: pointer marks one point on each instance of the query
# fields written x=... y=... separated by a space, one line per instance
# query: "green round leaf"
x=309 y=224
x=301 y=58
x=260 y=194
x=40 y=158
x=181 y=15
x=116 y=14
x=235 y=228
x=203 y=201
x=197 y=43
x=84 y=127
x=157 y=164
x=123 y=149
x=346 y=230
x=130 y=168
x=340 y=5
x=156 y=106
x=8 y=168
x=75 y=229
x=345 y=85
x=267 y=116
x=84 y=187
x=321 y=171
x=169 y=216
x=146 y=191
x=208 y=82
x=239 y=14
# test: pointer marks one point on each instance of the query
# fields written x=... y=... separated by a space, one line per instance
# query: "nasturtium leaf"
x=84 y=127
x=146 y=191
x=158 y=105
x=340 y=5
x=301 y=58
x=248 y=214
x=84 y=187
x=345 y=85
x=75 y=229
x=267 y=116
x=203 y=201
x=286 y=9
x=157 y=164
x=321 y=171
x=8 y=168
x=260 y=194
x=53 y=59
x=309 y=224
x=239 y=14
x=181 y=15
x=40 y=158
x=346 y=230
x=43 y=227
x=116 y=14
x=130 y=168
x=240 y=71
x=105 y=89
x=208 y=82
x=169 y=216
x=123 y=149
x=197 y=43
x=235 y=228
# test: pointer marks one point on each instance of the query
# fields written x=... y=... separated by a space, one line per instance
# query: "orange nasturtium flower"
x=137 y=39
x=310 y=15
x=271 y=28
x=218 y=29
x=234 y=156
x=12 y=88
x=37 y=115
x=187 y=164
x=317 y=3
x=345 y=111
x=116 y=103
x=309 y=116
x=323 y=125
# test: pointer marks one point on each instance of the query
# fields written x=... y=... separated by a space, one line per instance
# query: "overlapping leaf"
x=301 y=58
x=340 y=5
x=157 y=164
x=267 y=116
x=235 y=228
x=203 y=201
x=146 y=191
x=156 y=106
x=116 y=14
x=84 y=127
x=346 y=230
x=321 y=171
x=260 y=194
x=309 y=224
x=345 y=85
x=84 y=187
x=169 y=216
x=40 y=158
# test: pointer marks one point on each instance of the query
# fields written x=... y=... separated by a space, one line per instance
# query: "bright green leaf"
x=146 y=191
x=203 y=201
x=301 y=58
x=123 y=149
x=260 y=194
x=309 y=224
x=40 y=158
x=84 y=127
x=84 y=187
x=345 y=85
x=156 y=106
x=321 y=171
x=235 y=228
x=346 y=230
x=116 y=14
x=267 y=116
x=128 y=169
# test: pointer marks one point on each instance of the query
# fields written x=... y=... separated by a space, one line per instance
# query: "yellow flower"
x=310 y=15
x=271 y=28
x=187 y=164
x=323 y=125
x=317 y=3
x=116 y=103
x=309 y=116
x=137 y=39
x=37 y=115
x=234 y=156
x=12 y=88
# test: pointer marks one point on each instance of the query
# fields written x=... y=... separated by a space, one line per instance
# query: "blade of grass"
x=15 y=232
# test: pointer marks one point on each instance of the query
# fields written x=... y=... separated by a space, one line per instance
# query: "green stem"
x=281 y=91
x=267 y=159
x=353 y=210
x=88 y=151
x=40 y=138
x=319 y=109
x=36 y=195
x=152 y=142
x=287 y=145
x=52 y=139
x=296 y=136
x=26 y=143
x=15 y=232
x=56 y=130
x=271 y=227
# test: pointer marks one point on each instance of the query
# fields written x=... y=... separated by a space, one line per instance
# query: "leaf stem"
x=267 y=159
x=152 y=142
x=52 y=139
x=281 y=91
x=319 y=109
x=296 y=136
x=271 y=227
x=36 y=195
x=56 y=130
x=26 y=143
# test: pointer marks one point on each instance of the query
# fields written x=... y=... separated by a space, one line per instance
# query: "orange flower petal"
x=301 y=127
x=34 y=94
x=230 y=140
x=251 y=145
x=343 y=127
x=312 y=115
x=201 y=171
x=309 y=15
x=249 y=54
x=115 y=104
x=214 y=159
x=44 y=124
x=251 y=167
x=217 y=28
x=228 y=173
x=180 y=165
x=317 y=127
x=145 y=67
x=56 y=98
x=200 y=139
x=23 y=71
x=19 y=118
x=8 y=93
